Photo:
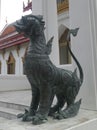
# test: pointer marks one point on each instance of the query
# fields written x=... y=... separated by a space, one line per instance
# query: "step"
x=13 y=106
x=9 y=113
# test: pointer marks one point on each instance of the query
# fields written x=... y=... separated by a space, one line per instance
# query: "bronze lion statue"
x=47 y=80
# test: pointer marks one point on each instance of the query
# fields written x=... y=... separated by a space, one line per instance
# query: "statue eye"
x=30 y=18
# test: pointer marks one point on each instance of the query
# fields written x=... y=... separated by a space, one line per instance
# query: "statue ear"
x=74 y=73
x=40 y=17
x=49 y=46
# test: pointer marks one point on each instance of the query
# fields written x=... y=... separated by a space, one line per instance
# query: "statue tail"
x=78 y=64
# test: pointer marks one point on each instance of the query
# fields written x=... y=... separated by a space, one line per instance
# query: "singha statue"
x=47 y=80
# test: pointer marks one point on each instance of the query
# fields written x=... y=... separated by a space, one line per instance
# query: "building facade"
x=12 y=51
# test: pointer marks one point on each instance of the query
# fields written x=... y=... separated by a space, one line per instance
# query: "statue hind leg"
x=60 y=104
x=71 y=110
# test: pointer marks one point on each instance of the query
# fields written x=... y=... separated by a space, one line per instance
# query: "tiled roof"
x=8 y=29
x=9 y=37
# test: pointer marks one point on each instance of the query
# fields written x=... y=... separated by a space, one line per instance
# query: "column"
x=4 y=67
x=37 y=7
x=48 y=9
x=17 y=67
x=21 y=65
x=0 y=11
x=50 y=16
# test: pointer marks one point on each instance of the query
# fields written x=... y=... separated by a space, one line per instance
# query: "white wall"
x=13 y=82
x=0 y=10
x=82 y=16
x=63 y=19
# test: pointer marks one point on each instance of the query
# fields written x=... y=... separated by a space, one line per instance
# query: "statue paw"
x=20 y=115
x=27 y=116
x=39 y=119
x=58 y=115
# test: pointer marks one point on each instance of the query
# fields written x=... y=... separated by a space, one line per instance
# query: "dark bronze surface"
x=45 y=78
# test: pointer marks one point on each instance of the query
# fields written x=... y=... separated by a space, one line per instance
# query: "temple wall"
x=84 y=45
x=17 y=81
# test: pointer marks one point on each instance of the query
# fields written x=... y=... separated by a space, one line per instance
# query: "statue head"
x=30 y=25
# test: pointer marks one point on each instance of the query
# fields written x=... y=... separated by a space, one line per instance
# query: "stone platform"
x=18 y=100
x=84 y=118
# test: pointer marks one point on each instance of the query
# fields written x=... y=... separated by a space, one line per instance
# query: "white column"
x=50 y=16
x=21 y=66
x=37 y=7
x=48 y=9
x=16 y=57
x=83 y=15
x=4 y=67
x=0 y=11
x=17 y=67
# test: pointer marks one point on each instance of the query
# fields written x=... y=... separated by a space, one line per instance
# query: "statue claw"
x=58 y=116
x=20 y=115
x=38 y=119
x=27 y=116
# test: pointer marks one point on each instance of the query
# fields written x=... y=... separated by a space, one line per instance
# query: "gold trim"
x=11 y=59
x=63 y=6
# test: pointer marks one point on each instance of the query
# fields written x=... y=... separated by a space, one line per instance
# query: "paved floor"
x=24 y=97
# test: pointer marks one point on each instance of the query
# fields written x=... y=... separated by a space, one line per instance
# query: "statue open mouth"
x=19 y=26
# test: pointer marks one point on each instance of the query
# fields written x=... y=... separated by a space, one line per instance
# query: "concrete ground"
x=24 y=97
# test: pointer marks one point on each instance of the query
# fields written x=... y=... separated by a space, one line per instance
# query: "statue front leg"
x=33 y=106
x=28 y=115
x=46 y=98
x=60 y=103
